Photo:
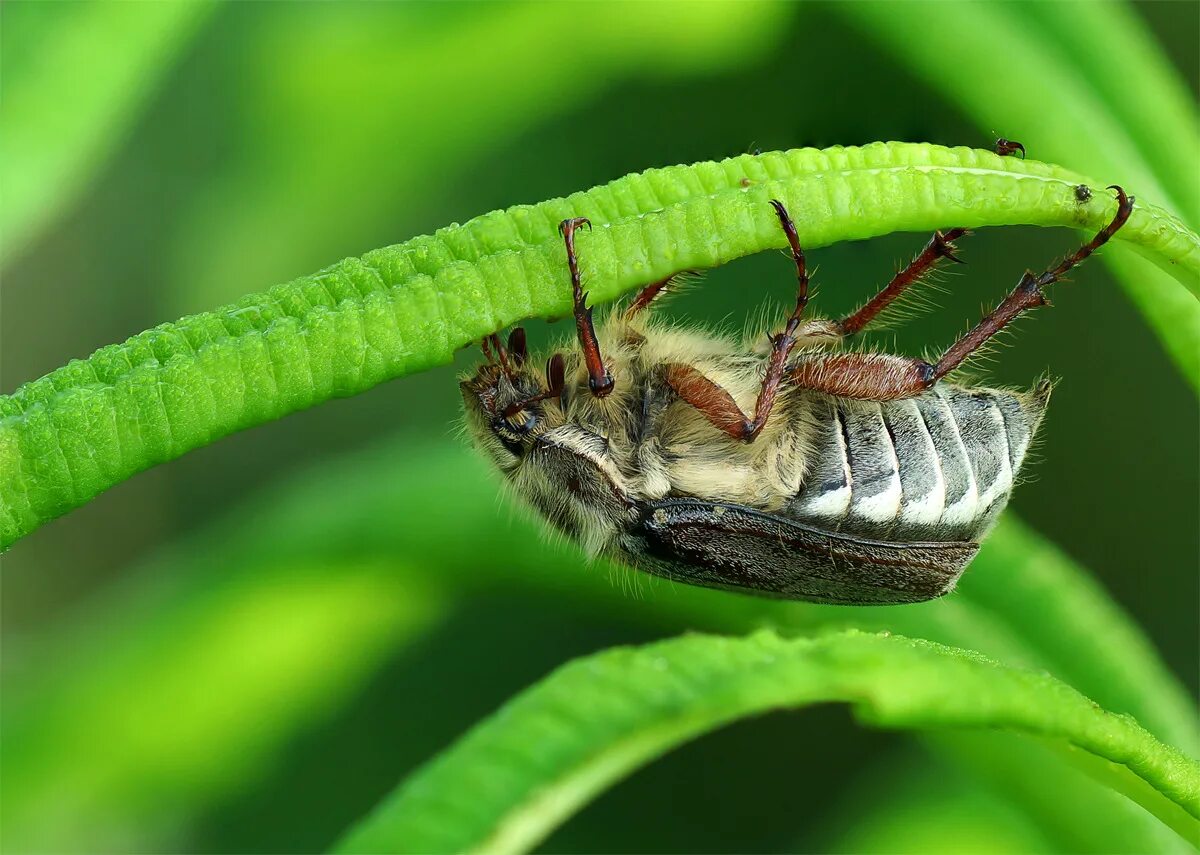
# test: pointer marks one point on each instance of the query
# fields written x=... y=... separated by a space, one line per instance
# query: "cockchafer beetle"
x=803 y=470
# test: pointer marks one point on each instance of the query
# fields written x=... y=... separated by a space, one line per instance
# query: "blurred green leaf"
x=85 y=427
x=1064 y=800
x=197 y=699
x=505 y=785
x=426 y=120
x=74 y=77
x=913 y=803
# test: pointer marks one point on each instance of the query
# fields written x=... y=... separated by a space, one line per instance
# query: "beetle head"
x=509 y=403
x=515 y=414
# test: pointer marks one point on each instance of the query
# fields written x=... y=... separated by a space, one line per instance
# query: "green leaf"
x=911 y=803
x=75 y=76
x=87 y=426
x=516 y=776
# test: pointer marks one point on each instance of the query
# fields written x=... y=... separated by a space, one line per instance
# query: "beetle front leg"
x=599 y=380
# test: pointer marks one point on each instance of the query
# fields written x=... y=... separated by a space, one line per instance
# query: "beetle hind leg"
x=882 y=377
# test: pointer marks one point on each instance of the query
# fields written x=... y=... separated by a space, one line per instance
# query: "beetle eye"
x=510 y=428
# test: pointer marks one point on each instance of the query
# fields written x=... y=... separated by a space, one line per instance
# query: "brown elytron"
x=807 y=471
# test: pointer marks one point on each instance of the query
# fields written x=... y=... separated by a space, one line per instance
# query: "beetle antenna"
x=555 y=382
x=516 y=346
x=501 y=353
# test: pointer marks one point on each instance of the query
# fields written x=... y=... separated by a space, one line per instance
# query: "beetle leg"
x=710 y=399
x=716 y=403
x=599 y=380
x=647 y=296
x=881 y=377
x=940 y=246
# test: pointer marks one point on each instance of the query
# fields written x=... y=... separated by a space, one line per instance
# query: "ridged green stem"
x=394 y=311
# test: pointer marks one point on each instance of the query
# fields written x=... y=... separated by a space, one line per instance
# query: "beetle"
x=805 y=470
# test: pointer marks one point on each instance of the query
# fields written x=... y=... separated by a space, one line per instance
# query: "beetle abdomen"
x=939 y=467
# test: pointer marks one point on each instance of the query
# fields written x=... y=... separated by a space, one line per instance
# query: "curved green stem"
x=516 y=776
x=87 y=426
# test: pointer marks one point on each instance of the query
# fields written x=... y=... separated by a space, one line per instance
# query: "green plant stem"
x=87 y=426
x=517 y=775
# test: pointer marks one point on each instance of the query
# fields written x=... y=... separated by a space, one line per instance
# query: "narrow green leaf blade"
x=85 y=427
x=519 y=774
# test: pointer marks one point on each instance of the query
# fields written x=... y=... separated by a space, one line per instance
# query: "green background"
x=257 y=142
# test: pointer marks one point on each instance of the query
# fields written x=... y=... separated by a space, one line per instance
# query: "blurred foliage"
x=366 y=130
x=252 y=688
x=1022 y=603
x=907 y=792
x=69 y=98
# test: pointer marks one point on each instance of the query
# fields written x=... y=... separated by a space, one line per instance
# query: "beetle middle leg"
x=714 y=402
x=882 y=377
x=940 y=246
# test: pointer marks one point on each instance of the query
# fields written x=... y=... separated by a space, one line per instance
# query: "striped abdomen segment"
x=939 y=467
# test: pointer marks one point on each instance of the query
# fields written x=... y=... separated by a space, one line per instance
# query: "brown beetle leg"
x=599 y=380
x=648 y=295
x=714 y=402
x=501 y=354
x=940 y=246
x=880 y=377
